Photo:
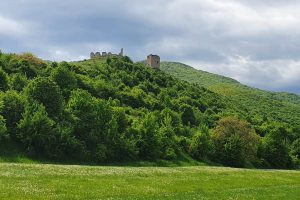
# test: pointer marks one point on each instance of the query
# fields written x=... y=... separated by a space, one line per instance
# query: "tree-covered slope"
x=261 y=106
x=113 y=110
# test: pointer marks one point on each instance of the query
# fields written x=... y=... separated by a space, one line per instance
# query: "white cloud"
x=9 y=27
x=275 y=75
x=256 y=42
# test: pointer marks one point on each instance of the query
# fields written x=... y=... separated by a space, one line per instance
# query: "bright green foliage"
x=114 y=110
x=150 y=144
x=4 y=83
x=295 y=148
x=274 y=149
x=258 y=107
x=65 y=79
x=36 y=130
x=295 y=152
x=18 y=82
x=47 y=92
x=235 y=141
x=201 y=146
x=91 y=118
x=13 y=107
x=3 y=133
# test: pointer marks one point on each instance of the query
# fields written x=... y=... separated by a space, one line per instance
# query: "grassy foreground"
x=44 y=181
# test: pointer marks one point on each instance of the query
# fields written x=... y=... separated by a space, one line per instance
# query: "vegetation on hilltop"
x=114 y=110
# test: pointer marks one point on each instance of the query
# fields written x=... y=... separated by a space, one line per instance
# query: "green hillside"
x=187 y=73
x=262 y=106
x=112 y=110
x=210 y=80
x=36 y=181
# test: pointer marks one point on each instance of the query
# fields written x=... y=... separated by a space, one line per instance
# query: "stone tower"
x=121 y=53
x=153 y=61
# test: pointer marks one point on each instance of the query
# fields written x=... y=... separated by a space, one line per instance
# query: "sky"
x=255 y=42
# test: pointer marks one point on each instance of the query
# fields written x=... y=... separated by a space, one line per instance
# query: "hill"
x=36 y=181
x=111 y=110
x=262 y=106
x=189 y=74
x=211 y=81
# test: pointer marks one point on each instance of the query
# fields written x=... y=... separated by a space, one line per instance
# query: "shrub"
x=4 y=83
x=37 y=130
x=18 y=82
x=13 y=108
x=201 y=146
x=3 y=133
x=47 y=92
x=274 y=150
x=65 y=79
x=236 y=142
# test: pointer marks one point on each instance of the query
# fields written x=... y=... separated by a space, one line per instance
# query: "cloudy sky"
x=256 y=42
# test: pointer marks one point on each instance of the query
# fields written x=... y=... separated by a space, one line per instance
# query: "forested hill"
x=211 y=81
x=113 y=110
x=261 y=106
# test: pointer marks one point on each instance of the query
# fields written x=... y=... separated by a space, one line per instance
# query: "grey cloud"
x=206 y=32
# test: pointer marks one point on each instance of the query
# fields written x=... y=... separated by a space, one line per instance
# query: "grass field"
x=44 y=181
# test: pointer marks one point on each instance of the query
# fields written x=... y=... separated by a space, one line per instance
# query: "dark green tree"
x=91 y=117
x=47 y=92
x=201 y=147
x=13 y=108
x=187 y=116
x=274 y=149
x=18 y=82
x=37 y=130
x=65 y=79
x=4 y=81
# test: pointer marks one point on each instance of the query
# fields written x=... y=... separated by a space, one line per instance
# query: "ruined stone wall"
x=105 y=54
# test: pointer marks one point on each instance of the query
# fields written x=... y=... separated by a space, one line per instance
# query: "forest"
x=112 y=110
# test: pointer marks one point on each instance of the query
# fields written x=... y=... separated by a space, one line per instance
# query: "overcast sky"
x=256 y=42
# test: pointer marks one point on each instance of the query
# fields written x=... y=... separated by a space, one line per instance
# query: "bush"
x=295 y=148
x=3 y=133
x=187 y=116
x=37 y=130
x=13 y=108
x=65 y=79
x=47 y=92
x=201 y=146
x=4 y=84
x=18 y=82
x=150 y=141
x=236 y=142
x=91 y=117
x=274 y=150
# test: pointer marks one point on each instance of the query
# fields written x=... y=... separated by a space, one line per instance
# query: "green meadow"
x=47 y=181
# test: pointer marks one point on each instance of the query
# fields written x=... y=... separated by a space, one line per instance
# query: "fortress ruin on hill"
x=105 y=54
x=153 y=61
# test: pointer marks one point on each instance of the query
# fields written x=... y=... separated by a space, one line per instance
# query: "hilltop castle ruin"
x=105 y=54
x=153 y=61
